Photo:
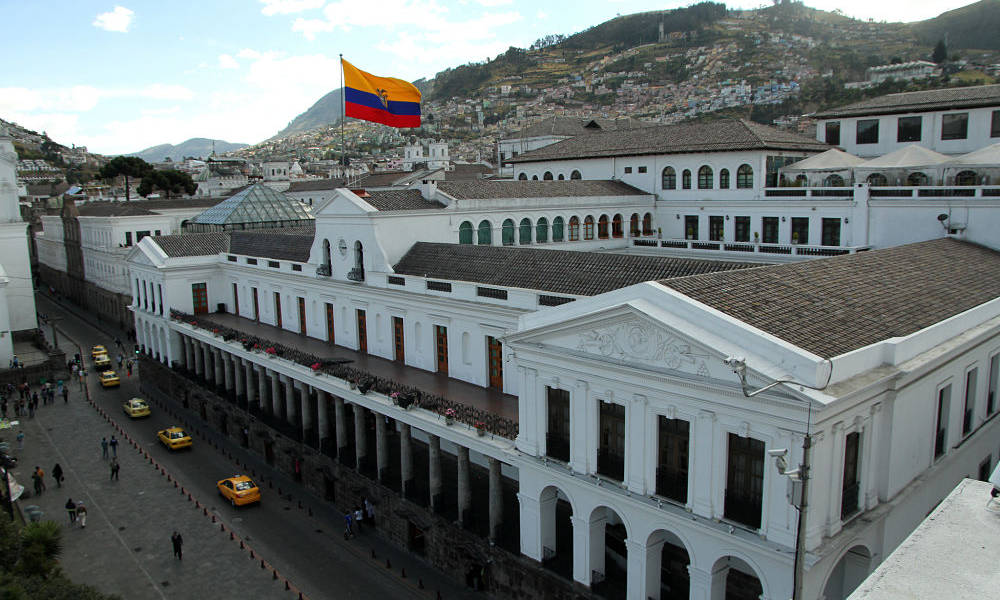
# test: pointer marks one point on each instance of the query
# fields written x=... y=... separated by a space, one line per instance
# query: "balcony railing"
x=324 y=270
x=743 y=508
x=610 y=465
x=672 y=483
x=895 y=191
x=557 y=446
x=849 y=500
x=356 y=274
x=752 y=247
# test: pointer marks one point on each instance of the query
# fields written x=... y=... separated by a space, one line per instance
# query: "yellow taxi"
x=101 y=361
x=174 y=438
x=97 y=350
x=239 y=490
x=135 y=407
x=110 y=379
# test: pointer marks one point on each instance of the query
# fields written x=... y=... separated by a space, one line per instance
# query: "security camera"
x=778 y=452
x=942 y=217
x=737 y=363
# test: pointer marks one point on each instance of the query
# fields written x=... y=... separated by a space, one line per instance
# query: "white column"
x=227 y=370
x=872 y=448
x=579 y=443
x=531 y=538
x=307 y=409
x=323 y=415
x=836 y=481
x=702 y=456
x=582 y=548
x=635 y=444
x=637 y=570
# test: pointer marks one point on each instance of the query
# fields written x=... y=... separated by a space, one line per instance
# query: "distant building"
x=17 y=297
x=908 y=71
x=552 y=130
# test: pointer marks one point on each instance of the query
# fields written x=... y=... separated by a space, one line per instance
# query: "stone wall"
x=446 y=545
x=104 y=303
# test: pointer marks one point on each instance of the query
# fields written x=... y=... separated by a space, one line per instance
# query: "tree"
x=168 y=181
x=940 y=52
x=129 y=166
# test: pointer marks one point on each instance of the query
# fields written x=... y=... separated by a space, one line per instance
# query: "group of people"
x=353 y=519
x=77 y=512
x=27 y=400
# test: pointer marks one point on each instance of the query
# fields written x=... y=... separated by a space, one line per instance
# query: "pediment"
x=634 y=339
x=139 y=257
x=343 y=202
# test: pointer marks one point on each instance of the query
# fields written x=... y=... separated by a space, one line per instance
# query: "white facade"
x=19 y=291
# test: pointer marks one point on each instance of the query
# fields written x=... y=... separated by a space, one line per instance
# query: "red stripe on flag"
x=381 y=116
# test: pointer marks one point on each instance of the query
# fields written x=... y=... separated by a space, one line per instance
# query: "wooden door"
x=397 y=338
x=330 y=337
x=199 y=298
x=441 y=342
x=277 y=309
x=494 y=362
x=256 y=305
x=362 y=332
x=302 y=316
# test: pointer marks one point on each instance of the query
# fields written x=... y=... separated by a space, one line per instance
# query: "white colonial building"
x=17 y=298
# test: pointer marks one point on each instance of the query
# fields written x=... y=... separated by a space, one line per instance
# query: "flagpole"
x=343 y=117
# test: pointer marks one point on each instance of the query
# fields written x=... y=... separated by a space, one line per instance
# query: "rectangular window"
x=296 y=267
x=955 y=126
x=557 y=435
x=488 y=292
x=330 y=331
x=398 y=345
x=691 y=227
x=273 y=264
x=611 y=444
x=628 y=170
x=831 y=232
x=991 y=391
x=362 y=331
x=672 y=459
x=236 y=300
x=642 y=169
x=441 y=348
x=302 y=315
x=800 y=230
x=494 y=362
x=833 y=133
x=277 y=309
x=716 y=228
x=770 y=227
x=744 y=481
x=941 y=427
x=139 y=235
x=852 y=479
x=231 y=258
x=128 y=238
x=995 y=124
x=256 y=305
x=251 y=261
x=984 y=468
x=199 y=297
x=396 y=280
x=439 y=286
x=742 y=229
x=867 y=132
x=908 y=129
x=969 y=414
x=159 y=294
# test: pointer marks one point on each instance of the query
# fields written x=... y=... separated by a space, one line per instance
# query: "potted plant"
x=480 y=428
x=315 y=367
x=395 y=398
x=271 y=352
x=756 y=237
x=449 y=416
x=795 y=237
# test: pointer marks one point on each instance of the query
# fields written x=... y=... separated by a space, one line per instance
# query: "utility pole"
x=800 y=534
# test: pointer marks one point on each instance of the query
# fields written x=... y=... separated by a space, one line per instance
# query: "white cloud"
x=310 y=27
x=118 y=20
x=287 y=7
x=389 y=13
x=542 y=15
x=492 y=3
x=81 y=98
x=226 y=61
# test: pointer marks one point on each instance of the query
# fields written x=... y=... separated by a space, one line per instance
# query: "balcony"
x=707 y=247
x=324 y=270
x=356 y=274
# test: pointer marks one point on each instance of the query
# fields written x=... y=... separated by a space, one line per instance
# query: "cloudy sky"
x=121 y=77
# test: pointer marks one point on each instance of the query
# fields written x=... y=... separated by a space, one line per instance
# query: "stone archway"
x=667 y=575
x=608 y=561
x=735 y=579
x=852 y=568
x=556 y=530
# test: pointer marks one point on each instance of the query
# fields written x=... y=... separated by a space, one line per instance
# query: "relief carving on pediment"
x=636 y=341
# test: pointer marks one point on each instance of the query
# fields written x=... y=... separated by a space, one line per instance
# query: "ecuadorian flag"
x=384 y=100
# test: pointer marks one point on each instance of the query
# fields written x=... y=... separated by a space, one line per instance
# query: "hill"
x=196 y=147
x=972 y=26
x=326 y=111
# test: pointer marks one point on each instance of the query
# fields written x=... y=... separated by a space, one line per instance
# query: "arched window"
x=833 y=181
x=326 y=253
x=534 y=177
x=557 y=229
x=686 y=179
x=547 y=176
x=542 y=230
x=965 y=178
x=917 y=178
x=523 y=177
x=801 y=181
x=507 y=233
x=617 y=227
x=561 y=177
x=359 y=255
x=588 y=228
x=744 y=177
x=877 y=180
x=574 y=229
x=633 y=225
x=485 y=234
x=705 y=177
x=465 y=233
x=669 y=179
x=647 y=224
x=524 y=232
x=724 y=179
x=575 y=175
x=602 y=227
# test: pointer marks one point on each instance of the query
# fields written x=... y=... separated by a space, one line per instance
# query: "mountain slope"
x=196 y=147
x=973 y=26
x=326 y=111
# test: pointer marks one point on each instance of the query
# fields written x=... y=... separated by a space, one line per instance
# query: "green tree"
x=940 y=53
x=41 y=544
x=169 y=181
x=129 y=166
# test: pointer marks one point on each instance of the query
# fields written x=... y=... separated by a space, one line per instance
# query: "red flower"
x=315 y=366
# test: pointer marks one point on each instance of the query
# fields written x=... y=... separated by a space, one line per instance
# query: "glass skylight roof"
x=256 y=204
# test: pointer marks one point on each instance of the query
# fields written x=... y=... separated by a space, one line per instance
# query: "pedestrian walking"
x=121 y=360
x=38 y=477
x=104 y=447
x=20 y=440
x=3 y=408
x=177 y=541
x=114 y=446
x=114 y=469
x=370 y=512
x=81 y=514
x=65 y=395
x=348 y=532
x=71 y=510
x=128 y=366
x=57 y=474
x=358 y=517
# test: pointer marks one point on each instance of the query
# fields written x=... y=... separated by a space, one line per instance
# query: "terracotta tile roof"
x=927 y=100
x=496 y=189
x=559 y=271
x=142 y=207
x=315 y=185
x=193 y=244
x=468 y=171
x=835 y=305
x=388 y=200
x=724 y=135
x=575 y=126
x=291 y=243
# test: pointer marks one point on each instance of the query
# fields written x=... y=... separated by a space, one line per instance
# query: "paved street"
x=126 y=549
